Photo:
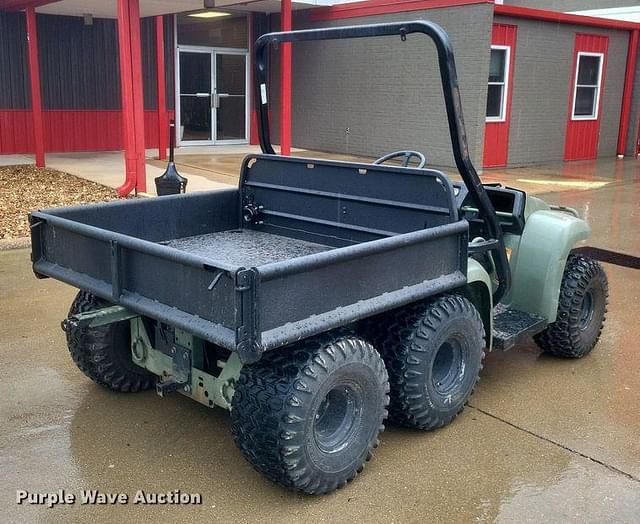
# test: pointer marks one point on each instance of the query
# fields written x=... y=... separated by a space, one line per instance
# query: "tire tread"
x=562 y=338
x=268 y=409
x=396 y=335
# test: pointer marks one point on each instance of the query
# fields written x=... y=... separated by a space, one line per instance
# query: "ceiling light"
x=209 y=14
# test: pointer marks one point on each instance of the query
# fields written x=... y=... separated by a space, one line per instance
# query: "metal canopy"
x=102 y=9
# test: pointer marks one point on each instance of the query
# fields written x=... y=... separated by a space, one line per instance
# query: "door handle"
x=215 y=99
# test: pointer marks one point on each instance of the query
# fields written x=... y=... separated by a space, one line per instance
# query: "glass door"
x=230 y=98
x=213 y=103
x=196 y=98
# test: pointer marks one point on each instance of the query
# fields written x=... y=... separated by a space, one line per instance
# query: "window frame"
x=505 y=84
x=598 y=87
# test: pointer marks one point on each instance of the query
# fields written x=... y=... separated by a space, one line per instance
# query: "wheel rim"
x=448 y=366
x=337 y=418
x=586 y=311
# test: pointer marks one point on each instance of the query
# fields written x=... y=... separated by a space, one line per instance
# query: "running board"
x=511 y=327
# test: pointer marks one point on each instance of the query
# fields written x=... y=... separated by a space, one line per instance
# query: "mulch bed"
x=25 y=188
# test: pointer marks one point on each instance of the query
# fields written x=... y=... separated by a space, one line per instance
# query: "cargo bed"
x=301 y=247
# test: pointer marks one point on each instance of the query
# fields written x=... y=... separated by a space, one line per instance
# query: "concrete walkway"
x=207 y=167
x=15 y=160
x=215 y=167
x=107 y=168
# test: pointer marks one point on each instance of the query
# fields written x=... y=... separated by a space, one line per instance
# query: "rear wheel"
x=104 y=353
x=434 y=352
x=582 y=309
x=308 y=417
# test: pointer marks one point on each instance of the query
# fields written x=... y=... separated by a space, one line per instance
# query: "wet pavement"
x=543 y=440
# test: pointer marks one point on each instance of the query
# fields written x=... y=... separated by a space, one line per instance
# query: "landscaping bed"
x=24 y=188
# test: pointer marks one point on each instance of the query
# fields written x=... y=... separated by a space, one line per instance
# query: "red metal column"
x=34 y=77
x=163 y=120
x=132 y=98
x=138 y=93
x=253 y=120
x=627 y=94
x=285 y=82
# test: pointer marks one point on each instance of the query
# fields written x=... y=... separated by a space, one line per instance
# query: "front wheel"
x=582 y=309
x=308 y=417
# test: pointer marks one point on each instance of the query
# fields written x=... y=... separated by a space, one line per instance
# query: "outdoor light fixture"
x=88 y=18
x=209 y=14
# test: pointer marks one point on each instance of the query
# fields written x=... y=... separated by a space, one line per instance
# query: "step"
x=511 y=327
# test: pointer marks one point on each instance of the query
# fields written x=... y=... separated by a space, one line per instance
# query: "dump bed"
x=301 y=247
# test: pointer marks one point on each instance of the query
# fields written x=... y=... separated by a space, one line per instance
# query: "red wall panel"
x=496 y=134
x=16 y=131
x=151 y=129
x=71 y=130
x=582 y=136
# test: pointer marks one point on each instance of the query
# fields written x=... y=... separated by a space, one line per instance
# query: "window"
x=586 y=95
x=498 y=83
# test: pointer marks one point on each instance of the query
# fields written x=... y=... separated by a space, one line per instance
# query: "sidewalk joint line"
x=558 y=444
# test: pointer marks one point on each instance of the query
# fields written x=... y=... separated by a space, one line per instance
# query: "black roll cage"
x=453 y=105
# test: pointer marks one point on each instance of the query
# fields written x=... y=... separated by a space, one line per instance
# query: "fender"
x=541 y=257
x=479 y=290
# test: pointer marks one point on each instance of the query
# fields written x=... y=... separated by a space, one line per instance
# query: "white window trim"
x=598 y=87
x=505 y=90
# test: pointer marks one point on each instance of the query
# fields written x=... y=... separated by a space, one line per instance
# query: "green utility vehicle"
x=321 y=298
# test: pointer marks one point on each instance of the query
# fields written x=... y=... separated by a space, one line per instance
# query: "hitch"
x=171 y=360
x=180 y=376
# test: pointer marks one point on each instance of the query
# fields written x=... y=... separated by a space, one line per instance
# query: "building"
x=537 y=85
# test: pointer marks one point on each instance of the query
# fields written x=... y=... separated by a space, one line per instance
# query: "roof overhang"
x=625 y=14
x=564 y=18
x=107 y=8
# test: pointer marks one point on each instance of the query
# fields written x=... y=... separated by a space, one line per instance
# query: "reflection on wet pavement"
x=545 y=440
x=608 y=196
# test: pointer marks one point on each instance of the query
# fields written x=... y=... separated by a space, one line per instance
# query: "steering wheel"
x=407 y=155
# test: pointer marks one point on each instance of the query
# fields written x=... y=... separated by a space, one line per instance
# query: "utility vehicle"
x=320 y=298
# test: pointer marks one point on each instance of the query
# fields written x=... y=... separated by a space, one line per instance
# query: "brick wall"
x=373 y=96
x=634 y=120
x=543 y=70
x=368 y=97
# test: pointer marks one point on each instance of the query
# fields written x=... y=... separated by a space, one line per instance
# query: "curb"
x=15 y=243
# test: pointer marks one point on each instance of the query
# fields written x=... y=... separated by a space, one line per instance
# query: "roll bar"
x=452 y=100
